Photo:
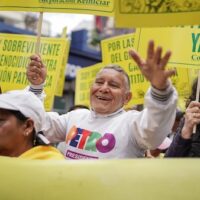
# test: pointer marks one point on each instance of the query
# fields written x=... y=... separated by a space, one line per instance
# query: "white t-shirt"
x=122 y=134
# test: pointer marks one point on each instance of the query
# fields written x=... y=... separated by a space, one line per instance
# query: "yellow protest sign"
x=115 y=50
x=193 y=74
x=181 y=81
x=15 y=51
x=140 y=179
x=95 y=7
x=145 y=13
x=185 y=46
x=84 y=78
x=61 y=78
x=183 y=42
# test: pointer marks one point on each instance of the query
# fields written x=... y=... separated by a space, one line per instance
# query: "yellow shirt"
x=42 y=153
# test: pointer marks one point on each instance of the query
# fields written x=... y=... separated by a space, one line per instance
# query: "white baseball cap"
x=27 y=103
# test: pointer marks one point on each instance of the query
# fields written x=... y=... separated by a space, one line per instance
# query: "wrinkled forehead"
x=113 y=74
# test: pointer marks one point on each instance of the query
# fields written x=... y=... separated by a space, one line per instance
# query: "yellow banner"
x=61 y=79
x=181 y=82
x=15 y=51
x=183 y=42
x=146 y=13
x=84 y=78
x=95 y=7
x=185 y=46
x=138 y=179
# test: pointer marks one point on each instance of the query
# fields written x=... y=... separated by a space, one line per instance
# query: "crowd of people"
x=105 y=130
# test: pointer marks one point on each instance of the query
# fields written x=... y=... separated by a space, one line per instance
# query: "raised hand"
x=36 y=70
x=153 y=68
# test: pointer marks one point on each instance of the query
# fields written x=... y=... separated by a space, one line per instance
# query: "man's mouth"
x=103 y=98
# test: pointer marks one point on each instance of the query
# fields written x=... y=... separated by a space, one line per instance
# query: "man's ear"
x=128 y=97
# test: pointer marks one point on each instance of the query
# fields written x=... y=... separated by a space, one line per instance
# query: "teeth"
x=101 y=98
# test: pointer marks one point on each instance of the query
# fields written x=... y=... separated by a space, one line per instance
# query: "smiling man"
x=110 y=90
x=107 y=130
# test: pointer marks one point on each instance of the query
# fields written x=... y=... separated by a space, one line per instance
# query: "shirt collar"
x=97 y=115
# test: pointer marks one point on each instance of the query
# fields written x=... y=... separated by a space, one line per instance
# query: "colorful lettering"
x=90 y=141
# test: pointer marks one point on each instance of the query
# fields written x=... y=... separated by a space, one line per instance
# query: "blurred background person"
x=22 y=117
x=185 y=142
x=179 y=116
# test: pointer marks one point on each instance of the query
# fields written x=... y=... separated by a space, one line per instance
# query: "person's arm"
x=180 y=146
x=155 y=121
x=182 y=142
x=55 y=125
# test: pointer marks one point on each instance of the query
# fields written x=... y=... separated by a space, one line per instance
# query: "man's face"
x=109 y=92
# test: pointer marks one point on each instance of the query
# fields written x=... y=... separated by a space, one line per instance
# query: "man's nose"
x=104 y=87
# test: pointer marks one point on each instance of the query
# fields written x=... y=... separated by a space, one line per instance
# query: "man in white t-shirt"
x=107 y=130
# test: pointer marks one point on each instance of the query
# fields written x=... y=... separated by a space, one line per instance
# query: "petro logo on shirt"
x=90 y=141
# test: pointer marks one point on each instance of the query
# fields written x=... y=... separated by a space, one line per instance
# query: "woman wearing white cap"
x=22 y=117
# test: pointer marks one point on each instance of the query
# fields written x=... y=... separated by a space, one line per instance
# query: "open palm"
x=153 y=68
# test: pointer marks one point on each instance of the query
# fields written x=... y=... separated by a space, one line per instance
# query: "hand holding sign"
x=153 y=68
x=192 y=118
x=36 y=70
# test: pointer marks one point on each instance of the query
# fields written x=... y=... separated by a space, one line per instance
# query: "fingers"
x=36 y=70
x=192 y=114
x=136 y=57
x=195 y=105
x=165 y=59
x=170 y=73
x=150 y=50
x=32 y=76
x=35 y=64
x=157 y=56
x=35 y=57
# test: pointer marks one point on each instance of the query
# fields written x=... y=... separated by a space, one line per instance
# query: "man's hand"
x=153 y=68
x=36 y=70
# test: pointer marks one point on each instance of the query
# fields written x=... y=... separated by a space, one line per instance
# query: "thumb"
x=170 y=72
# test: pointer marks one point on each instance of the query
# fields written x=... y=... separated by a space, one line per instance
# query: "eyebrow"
x=112 y=81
